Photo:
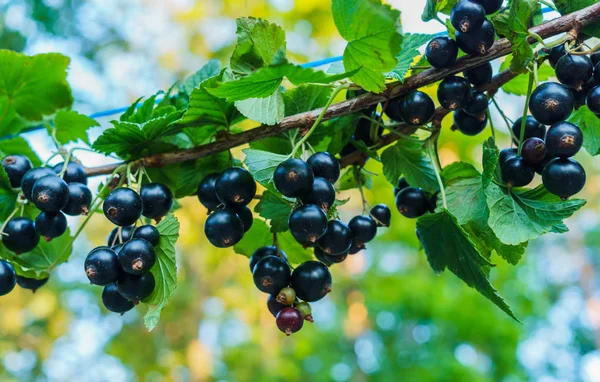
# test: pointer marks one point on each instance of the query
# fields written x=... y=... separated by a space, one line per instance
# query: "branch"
x=575 y=20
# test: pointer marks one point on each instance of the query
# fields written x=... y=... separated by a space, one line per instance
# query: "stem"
x=506 y=120
x=12 y=214
x=51 y=157
x=65 y=164
x=489 y=115
x=365 y=204
x=437 y=168
x=525 y=109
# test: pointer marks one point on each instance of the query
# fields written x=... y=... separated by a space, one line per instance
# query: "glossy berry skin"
x=563 y=139
x=490 y=6
x=479 y=75
x=363 y=228
x=157 y=200
x=245 y=214
x=551 y=102
x=322 y=194
x=595 y=57
x=441 y=52
x=417 y=109
x=80 y=200
x=337 y=239
x=563 y=177
x=207 y=194
x=20 y=235
x=31 y=177
x=50 y=194
x=8 y=278
x=126 y=234
x=31 y=284
x=402 y=184
x=102 y=266
x=539 y=167
x=533 y=129
x=324 y=165
x=597 y=74
x=224 y=228
x=593 y=100
x=136 y=287
x=289 y=320
x=75 y=172
x=235 y=187
x=147 y=232
x=580 y=96
x=412 y=202
x=307 y=223
x=574 y=70
x=123 y=207
x=113 y=301
x=274 y=306
x=293 y=178
x=137 y=256
x=322 y=257
x=555 y=54
x=271 y=274
x=16 y=166
x=382 y=215
x=516 y=172
x=454 y=93
x=356 y=247
x=311 y=280
x=468 y=124
x=479 y=42
x=467 y=16
x=263 y=252
x=478 y=104
x=334 y=259
x=51 y=225
x=533 y=150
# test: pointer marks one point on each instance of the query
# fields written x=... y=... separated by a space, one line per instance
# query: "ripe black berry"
x=478 y=42
x=563 y=139
x=31 y=177
x=356 y=247
x=263 y=252
x=50 y=194
x=31 y=284
x=563 y=177
x=289 y=320
x=479 y=75
x=539 y=167
x=467 y=16
x=337 y=239
x=20 y=235
x=533 y=129
x=597 y=74
x=113 y=301
x=574 y=70
x=293 y=178
x=593 y=100
x=274 y=306
x=123 y=207
x=555 y=54
x=157 y=200
x=454 y=93
x=136 y=287
x=307 y=223
x=441 y=52
x=207 y=194
x=595 y=57
x=363 y=228
x=533 y=150
x=478 y=104
x=402 y=184
x=324 y=165
x=126 y=233
x=8 y=278
x=507 y=154
x=102 y=266
x=147 y=232
x=412 y=202
x=363 y=131
x=311 y=280
x=468 y=124
x=246 y=216
x=75 y=172
x=490 y=6
x=516 y=172
x=382 y=215
x=235 y=187
x=16 y=166
x=322 y=257
x=271 y=274
x=416 y=108
x=137 y=256
x=224 y=228
x=580 y=96
x=322 y=194
x=80 y=199
x=551 y=102
x=51 y=225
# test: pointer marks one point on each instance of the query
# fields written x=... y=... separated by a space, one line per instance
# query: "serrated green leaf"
x=262 y=164
x=466 y=200
x=348 y=179
x=18 y=145
x=409 y=158
x=295 y=253
x=411 y=42
x=486 y=241
x=589 y=123
x=275 y=209
x=71 y=126
x=210 y=69
x=269 y=111
x=518 y=85
x=305 y=98
x=459 y=170
x=258 y=236
x=491 y=155
x=432 y=7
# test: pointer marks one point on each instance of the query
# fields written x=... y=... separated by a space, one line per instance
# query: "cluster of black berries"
x=413 y=202
x=9 y=278
x=123 y=266
x=226 y=196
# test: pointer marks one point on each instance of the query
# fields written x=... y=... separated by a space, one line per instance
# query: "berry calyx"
x=51 y=225
x=479 y=75
x=102 y=266
x=322 y=194
x=533 y=129
x=137 y=256
x=308 y=224
x=478 y=42
x=31 y=284
x=564 y=140
x=412 y=202
x=311 y=280
x=113 y=301
x=31 y=177
x=441 y=52
x=271 y=274
x=80 y=199
x=289 y=320
x=574 y=70
x=468 y=124
x=263 y=252
x=50 y=194
x=286 y=296
x=293 y=178
x=75 y=172
x=382 y=215
x=305 y=310
x=363 y=228
x=20 y=235
x=235 y=187
x=123 y=207
x=467 y=16
x=516 y=172
x=533 y=150
x=157 y=200
x=478 y=104
x=454 y=93
x=563 y=177
x=114 y=238
x=16 y=166
x=337 y=239
x=551 y=102
x=224 y=228
x=324 y=165
x=207 y=194
x=8 y=278
x=136 y=287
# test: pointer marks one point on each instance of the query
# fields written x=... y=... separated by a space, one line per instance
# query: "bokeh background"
x=389 y=316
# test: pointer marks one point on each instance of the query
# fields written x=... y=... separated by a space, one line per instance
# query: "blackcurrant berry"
x=16 y=166
x=563 y=139
x=382 y=215
x=337 y=239
x=551 y=102
x=263 y=252
x=335 y=259
x=293 y=178
x=246 y=216
x=80 y=199
x=467 y=16
x=271 y=274
x=533 y=129
x=454 y=93
x=307 y=223
x=322 y=194
x=479 y=75
x=51 y=225
x=597 y=74
x=324 y=165
x=563 y=177
x=478 y=42
x=289 y=320
x=507 y=154
x=402 y=184
x=490 y=6
x=123 y=207
x=593 y=100
x=595 y=57
x=363 y=228
x=113 y=301
x=75 y=172
x=311 y=280
x=31 y=284
x=126 y=234
x=417 y=108
x=363 y=131
x=274 y=306
x=147 y=232
x=137 y=256
x=20 y=235
x=50 y=194
x=580 y=96
x=136 y=287
x=224 y=228
x=533 y=150
x=356 y=247
x=157 y=200
x=207 y=194
x=441 y=52
x=555 y=54
x=102 y=266
x=235 y=187
x=412 y=202
x=468 y=124
x=8 y=278
x=305 y=310
x=322 y=257
x=31 y=177
x=539 y=167
x=286 y=296
x=516 y=172
x=478 y=104
x=574 y=70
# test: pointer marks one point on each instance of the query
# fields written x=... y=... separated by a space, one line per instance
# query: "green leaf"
x=491 y=155
x=448 y=245
x=411 y=42
x=589 y=124
x=305 y=98
x=18 y=145
x=275 y=209
x=432 y=7
x=466 y=200
x=348 y=180
x=569 y=6
x=374 y=39
x=295 y=253
x=518 y=85
x=71 y=126
x=258 y=236
x=8 y=196
x=164 y=271
x=408 y=158
x=457 y=171
x=262 y=164
x=269 y=111
x=486 y=242
x=210 y=69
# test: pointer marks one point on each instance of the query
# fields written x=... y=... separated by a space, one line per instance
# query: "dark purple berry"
x=113 y=301
x=402 y=184
x=478 y=104
x=382 y=215
x=75 y=172
x=51 y=225
x=468 y=124
x=31 y=284
x=123 y=207
x=293 y=178
x=322 y=194
x=207 y=194
x=324 y=165
x=274 y=306
x=20 y=235
x=235 y=187
x=490 y=6
x=563 y=177
x=454 y=93
x=16 y=166
x=551 y=102
x=564 y=140
x=533 y=150
x=516 y=172
x=137 y=256
x=479 y=75
x=308 y=224
x=8 y=278
x=533 y=129
x=80 y=200
x=412 y=202
x=478 y=42
x=102 y=266
x=311 y=280
x=507 y=154
x=289 y=320
x=271 y=274
x=467 y=16
x=157 y=200
x=31 y=177
x=363 y=228
x=337 y=239
x=136 y=287
x=147 y=232
x=441 y=52
x=50 y=194
x=593 y=100
x=224 y=228
x=263 y=252
x=574 y=70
